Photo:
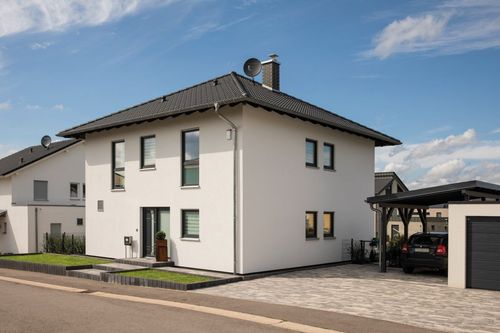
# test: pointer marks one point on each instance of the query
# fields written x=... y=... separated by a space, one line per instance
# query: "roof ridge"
x=146 y=102
x=320 y=108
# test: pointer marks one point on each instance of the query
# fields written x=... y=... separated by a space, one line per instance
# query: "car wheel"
x=408 y=270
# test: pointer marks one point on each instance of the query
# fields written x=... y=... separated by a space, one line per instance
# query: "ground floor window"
x=328 y=225
x=190 y=223
x=55 y=229
x=311 y=225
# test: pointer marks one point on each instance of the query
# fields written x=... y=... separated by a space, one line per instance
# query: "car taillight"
x=441 y=250
x=404 y=248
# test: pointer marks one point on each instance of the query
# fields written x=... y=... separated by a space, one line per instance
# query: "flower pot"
x=161 y=250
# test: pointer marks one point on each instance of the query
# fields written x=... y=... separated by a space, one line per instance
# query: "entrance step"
x=91 y=274
x=144 y=262
x=116 y=267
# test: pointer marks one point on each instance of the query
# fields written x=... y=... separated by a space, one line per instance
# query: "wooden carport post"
x=422 y=213
x=405 y=214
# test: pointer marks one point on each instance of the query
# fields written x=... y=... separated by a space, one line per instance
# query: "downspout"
x=235 y=183
x=36 y=229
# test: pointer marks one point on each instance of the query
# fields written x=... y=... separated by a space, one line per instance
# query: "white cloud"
x=450 y=28
x=495 y=131
x=59 y=107
x=5 y=106
x=57 y=15
x=41 y=45
x=210 y=26
x=446 y=160
x=33 y=107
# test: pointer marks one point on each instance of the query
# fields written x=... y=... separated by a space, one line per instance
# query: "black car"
x=428 y=250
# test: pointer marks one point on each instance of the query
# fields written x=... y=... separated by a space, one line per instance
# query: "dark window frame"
x=77 y=190
x=113 y=162
x=315 y=163
x=315 y=214
x=46 y=192
x=184 y=162
x=84 y=189
x=332 y=156
x=332 y=225
x=143 y=165
x=183 y=220
x=79 y=221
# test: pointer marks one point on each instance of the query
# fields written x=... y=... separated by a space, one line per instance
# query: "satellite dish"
x=252 y=67
x=46 y=141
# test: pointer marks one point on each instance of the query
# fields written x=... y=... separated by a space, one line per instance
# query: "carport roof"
x=439 y=194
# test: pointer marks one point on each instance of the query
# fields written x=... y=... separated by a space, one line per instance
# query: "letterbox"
x=127 y=240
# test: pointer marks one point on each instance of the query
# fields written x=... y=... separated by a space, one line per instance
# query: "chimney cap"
x=273 y=58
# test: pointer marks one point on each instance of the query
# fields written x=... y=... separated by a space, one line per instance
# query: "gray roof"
x=229 y=89
x=383 y=179
x=30 y=155
x=381 y=184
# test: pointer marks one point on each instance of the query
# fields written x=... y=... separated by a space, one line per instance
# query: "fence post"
x=62 y=242
x=46 y=242
x=72 y=244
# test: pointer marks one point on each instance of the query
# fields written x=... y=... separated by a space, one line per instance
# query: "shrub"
x=160 y=235
x=64 y=244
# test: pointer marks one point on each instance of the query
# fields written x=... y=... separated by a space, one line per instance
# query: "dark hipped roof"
x=231 y=88
x=383 y=179
x=30 y=155
x=439 y=194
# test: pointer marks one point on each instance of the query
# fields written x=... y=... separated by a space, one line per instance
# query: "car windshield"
x=425 y=240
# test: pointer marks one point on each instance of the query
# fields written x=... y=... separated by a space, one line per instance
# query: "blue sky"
x=426 y=72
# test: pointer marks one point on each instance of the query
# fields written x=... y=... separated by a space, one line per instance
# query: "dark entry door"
x=483 y=256
x=153 y=220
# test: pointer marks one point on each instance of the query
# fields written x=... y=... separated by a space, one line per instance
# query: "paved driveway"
x=421 y=299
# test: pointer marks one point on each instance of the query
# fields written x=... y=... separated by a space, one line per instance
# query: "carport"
x=472 y=192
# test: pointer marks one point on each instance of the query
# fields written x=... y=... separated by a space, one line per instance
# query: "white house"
x=41 y=190
x=242 y=177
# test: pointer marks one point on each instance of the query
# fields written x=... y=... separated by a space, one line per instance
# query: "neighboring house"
x=390 y=183
x=41 y=190
x=242 y=177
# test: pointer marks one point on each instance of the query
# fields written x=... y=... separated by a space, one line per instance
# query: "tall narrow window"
x=40 y=190
x=148 y=152
x=73 y=190
x=311 y=153
x=311 y=225
x=83 y=191
x=118 y=165
x=190 y=223
x=190 y=157
x=328 y=152
x=328 y=230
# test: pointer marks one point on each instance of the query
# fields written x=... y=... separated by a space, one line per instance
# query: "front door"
x=154 y=220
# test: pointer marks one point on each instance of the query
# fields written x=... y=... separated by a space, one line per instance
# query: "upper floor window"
x=311 y=153
x=148 y=152
x=40 y=190
x=118 y=165
x=328 y=152
x=191 y=157
x=73 y=190
x=328 y=225
x=311 y=225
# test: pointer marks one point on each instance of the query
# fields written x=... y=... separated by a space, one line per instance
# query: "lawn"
x=57 y=259
x=154 y=274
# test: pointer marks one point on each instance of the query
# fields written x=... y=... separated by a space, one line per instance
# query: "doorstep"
x=144 y=262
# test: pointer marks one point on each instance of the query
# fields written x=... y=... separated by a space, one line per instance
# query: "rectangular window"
x=40 y=190
x=190 y=223
x=311 y=153
x=328 y=230
x=190 y=157
x=83 y=191
x=438 y=214
x=148 y=152
x=100 y=205
x=118 y=177
x=73 y=190
x=328 y=151
x=55 y=229
x=311 y=225
x=79 y=221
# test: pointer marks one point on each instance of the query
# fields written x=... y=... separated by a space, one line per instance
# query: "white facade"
x=457 y=239
x=274 y=190
x=27 y=220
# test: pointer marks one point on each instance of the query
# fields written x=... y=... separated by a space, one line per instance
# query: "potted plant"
x=161 y=246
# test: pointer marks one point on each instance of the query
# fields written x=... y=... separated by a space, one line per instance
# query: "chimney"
x=271 y=73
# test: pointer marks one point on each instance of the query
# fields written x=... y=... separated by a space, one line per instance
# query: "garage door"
x=483 y=252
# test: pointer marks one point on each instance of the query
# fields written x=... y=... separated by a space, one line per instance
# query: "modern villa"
x=242 y=177
x=42 y=190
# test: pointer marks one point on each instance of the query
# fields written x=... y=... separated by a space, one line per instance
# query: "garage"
x=483 y=253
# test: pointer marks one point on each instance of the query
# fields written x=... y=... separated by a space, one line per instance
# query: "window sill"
x=40 y=200
x=148 y=169
x=330 y=170
x=190 y=187
x=118 y=190
x=312 y=239
x=190 y=239
x=312 y=166
x=74 y=199
x=329 y=237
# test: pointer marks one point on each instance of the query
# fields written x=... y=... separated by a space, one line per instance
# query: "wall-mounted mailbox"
x=127 y=240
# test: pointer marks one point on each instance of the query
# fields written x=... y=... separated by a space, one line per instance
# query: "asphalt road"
x=32 y=309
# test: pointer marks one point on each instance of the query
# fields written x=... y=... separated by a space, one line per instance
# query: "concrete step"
x=91 y=274
x=116 y=267
x=144 y=262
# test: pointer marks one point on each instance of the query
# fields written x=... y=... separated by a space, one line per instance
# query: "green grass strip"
x=57 y=259
x=154 y=274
